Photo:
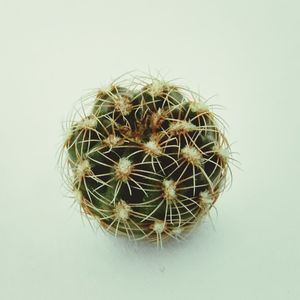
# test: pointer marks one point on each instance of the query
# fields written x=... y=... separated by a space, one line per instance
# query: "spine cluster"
x=148 y=160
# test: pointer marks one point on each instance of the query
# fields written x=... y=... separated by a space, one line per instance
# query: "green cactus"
x=148 y=160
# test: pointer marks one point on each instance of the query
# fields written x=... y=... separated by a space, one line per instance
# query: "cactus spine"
x=147 y=160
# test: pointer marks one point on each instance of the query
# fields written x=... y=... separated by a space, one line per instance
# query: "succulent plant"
x=146 y=158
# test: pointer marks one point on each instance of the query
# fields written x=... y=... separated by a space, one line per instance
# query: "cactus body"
x=148 y=160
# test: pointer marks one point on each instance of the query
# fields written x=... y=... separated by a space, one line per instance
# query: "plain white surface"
x=244 y=53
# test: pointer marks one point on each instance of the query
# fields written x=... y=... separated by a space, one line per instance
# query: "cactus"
x=147 y=159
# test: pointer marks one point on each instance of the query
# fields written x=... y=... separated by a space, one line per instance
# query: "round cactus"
x=146 y=158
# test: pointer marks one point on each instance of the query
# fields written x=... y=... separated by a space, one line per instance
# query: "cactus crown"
x=148 y=160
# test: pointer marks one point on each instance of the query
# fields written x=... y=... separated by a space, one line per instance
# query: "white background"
x=243 y=54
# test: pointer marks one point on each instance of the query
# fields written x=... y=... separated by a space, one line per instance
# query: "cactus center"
x=112 y=140
x=87 y=123
x=169 y=190
x=177 y=231
x=181 y=127
x=199 y=107
x=122 y=210
x=123 y=105
x=123 y=169
x=221 y=152
x=157 y=118
x=159 y=226
x=68 y=136
x=83 y=168
x=192 y=155
x=152 y=148
x=206 y=198
x=156 y=88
